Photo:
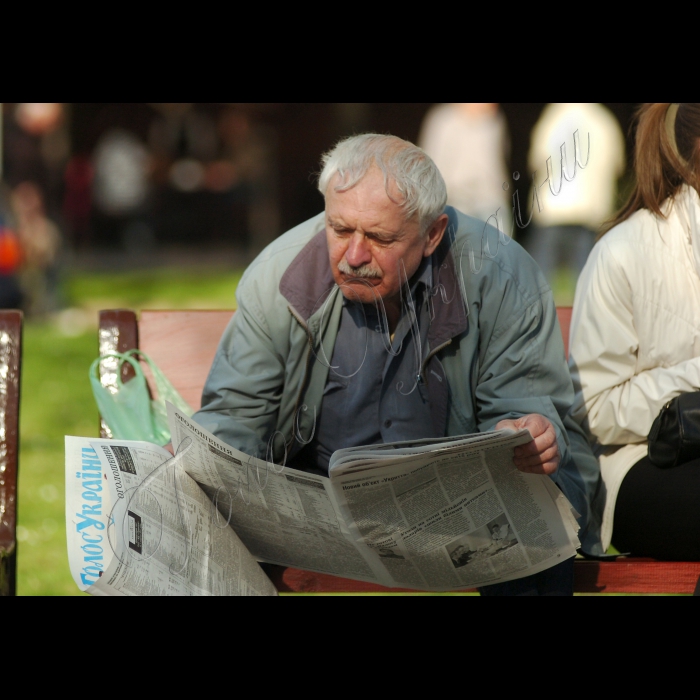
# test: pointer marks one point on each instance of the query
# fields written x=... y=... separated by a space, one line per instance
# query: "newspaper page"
x=282 y=515
x=431 y=515
x=137 y=524
x=456 y=518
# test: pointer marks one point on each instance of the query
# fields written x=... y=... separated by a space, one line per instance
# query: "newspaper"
x=137 y=524
x=431 y=515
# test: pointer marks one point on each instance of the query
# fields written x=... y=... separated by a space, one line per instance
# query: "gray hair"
x=412 y=171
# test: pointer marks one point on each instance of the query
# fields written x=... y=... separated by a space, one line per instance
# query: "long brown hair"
x=661 y=167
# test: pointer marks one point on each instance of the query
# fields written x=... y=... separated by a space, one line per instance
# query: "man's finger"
x=541 y=454
x=550 y=455
x=536 y=446
x=535 y=423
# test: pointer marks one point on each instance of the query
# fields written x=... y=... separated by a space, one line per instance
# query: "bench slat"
x=622 y=576
x=636 y=576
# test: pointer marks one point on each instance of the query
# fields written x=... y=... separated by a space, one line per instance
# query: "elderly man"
x=389 y=317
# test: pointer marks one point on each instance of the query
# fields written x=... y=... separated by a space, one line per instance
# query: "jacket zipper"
x=307 y=371
x=432 y=354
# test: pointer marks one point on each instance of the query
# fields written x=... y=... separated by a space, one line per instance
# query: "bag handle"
x=166 y=390
x=122 y=357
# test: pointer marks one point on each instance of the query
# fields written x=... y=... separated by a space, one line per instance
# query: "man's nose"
x=358 y=252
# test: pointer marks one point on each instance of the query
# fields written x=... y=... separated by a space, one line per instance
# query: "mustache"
x=362 y=272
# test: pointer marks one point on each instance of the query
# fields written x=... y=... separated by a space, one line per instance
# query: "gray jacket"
x=494 y=351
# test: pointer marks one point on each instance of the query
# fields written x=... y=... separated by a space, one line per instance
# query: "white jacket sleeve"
x=616 y=399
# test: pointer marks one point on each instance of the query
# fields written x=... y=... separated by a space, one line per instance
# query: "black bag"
x=674 y=438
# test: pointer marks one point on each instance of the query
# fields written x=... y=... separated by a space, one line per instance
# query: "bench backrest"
x=10 y=368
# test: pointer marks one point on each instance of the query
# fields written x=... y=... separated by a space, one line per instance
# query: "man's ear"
x=435 y=234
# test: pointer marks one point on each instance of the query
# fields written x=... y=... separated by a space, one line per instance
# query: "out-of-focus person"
x=120 y=188
x=37 y=147
x=40 y=241
x=564 y=227
x=10 y=259
x=470 y=144
x=635 y=337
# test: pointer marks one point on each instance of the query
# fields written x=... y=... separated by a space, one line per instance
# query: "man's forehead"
x=368 y=223
x=368 y=210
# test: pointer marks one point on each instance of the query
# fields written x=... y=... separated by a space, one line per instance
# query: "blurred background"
x=162 y=205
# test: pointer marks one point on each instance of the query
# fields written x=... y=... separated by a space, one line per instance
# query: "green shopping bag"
x=129 y=412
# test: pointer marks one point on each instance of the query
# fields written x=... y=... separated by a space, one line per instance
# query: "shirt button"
x=387 y=424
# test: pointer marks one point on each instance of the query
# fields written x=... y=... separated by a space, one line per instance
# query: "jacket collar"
x=308 y=281
x=450 y=312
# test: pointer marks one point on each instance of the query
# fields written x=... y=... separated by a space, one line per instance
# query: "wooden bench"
x=183 y=344
x=10 y=366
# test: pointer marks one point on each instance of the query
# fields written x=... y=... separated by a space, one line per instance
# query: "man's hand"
x=169 y=448
x=541 y=455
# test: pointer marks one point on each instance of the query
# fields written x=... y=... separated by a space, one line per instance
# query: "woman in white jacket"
x=635 y=338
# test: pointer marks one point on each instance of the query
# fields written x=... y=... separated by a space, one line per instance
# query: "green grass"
x=153 y=289
x=56 y=400
x=564 y=286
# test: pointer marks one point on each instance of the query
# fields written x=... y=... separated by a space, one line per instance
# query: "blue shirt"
x=374 y=393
